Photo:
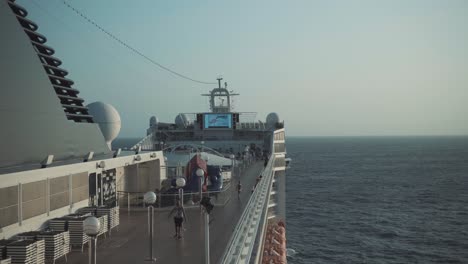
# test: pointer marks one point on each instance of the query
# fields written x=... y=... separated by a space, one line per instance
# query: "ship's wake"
x=290 y=252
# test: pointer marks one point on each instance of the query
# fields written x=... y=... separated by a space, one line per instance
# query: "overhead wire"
x=72 y=32
x=134 y=50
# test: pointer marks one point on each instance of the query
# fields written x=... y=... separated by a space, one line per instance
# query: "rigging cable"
x=131 y=48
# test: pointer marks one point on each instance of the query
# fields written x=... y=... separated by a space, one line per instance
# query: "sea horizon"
x=340 y=136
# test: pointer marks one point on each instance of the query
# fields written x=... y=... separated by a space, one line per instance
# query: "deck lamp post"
x=150 y=199
x=232 y=157
x=247 y=155
x=91 y=227
x=200 y=173
x=202 y=145
x=180 y=182
x=208 y=206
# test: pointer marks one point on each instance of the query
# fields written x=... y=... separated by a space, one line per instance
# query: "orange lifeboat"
x=275 y=244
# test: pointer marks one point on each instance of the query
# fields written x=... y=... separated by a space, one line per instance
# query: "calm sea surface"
x=376 y=199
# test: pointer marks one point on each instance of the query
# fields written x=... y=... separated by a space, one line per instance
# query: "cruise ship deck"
x=130 y=243
x=66 y=165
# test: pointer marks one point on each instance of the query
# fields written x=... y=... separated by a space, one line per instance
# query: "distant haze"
x=328 y=68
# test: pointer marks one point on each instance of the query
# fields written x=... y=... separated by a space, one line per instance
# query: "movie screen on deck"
x=218 y=120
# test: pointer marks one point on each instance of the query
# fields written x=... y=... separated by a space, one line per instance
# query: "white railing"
x=146 y=143
x=166 y=201
x=242 y=242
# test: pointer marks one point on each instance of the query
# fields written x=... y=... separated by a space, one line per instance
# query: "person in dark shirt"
x=179 y=216
x=239 y=189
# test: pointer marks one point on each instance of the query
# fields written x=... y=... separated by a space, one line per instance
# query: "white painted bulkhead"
x=29 y=198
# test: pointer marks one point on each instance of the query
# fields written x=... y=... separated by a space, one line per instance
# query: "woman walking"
x=179 y=216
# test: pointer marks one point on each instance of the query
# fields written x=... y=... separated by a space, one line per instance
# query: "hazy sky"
x=327 y=67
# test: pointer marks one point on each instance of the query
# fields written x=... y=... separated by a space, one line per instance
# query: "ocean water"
x=376 y=199
x=124 y=143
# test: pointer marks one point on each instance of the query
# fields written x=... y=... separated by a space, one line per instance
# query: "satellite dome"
x=182 y=121
x=107 y=118
x=154 y=121
x=272 y=119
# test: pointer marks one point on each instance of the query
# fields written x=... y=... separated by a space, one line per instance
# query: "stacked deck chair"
x=103 y=219
x=74 y=225
x=40 y=244
x=104 y=224
x=26 y=251
x=112 y=213
x=4 y=259
x=56 y=243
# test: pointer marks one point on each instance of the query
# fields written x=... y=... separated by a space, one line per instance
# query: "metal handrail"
x=242 y=241
x=173 y=148
x=135 y=199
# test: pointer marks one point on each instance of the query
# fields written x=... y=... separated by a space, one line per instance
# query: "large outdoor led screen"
x=217 y=120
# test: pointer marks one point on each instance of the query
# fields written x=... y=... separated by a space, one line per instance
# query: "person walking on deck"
x=239 y=189
x=258 y=180
x=179 y=216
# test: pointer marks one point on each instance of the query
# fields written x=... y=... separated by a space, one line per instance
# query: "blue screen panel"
x=217 y=121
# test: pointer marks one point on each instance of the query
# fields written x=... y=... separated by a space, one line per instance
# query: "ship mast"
x=220 y=98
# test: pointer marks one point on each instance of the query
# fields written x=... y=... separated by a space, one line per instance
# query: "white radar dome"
x=154 y=121
x=272 y=119
x=182 y=121
x=107 y=118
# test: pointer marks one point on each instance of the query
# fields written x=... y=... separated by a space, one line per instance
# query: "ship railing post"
x=150 y=198
x=159 y=200
x=201 y=190
x=91 y=227
x=181 y=195
x=200 y=173
x=207 y=238
x=128 y=203
x=150 y=233
x=92 y=250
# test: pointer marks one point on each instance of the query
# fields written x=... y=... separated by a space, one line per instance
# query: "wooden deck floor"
x=130 y=243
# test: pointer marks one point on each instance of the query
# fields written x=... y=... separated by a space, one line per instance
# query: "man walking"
x=239 y=189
